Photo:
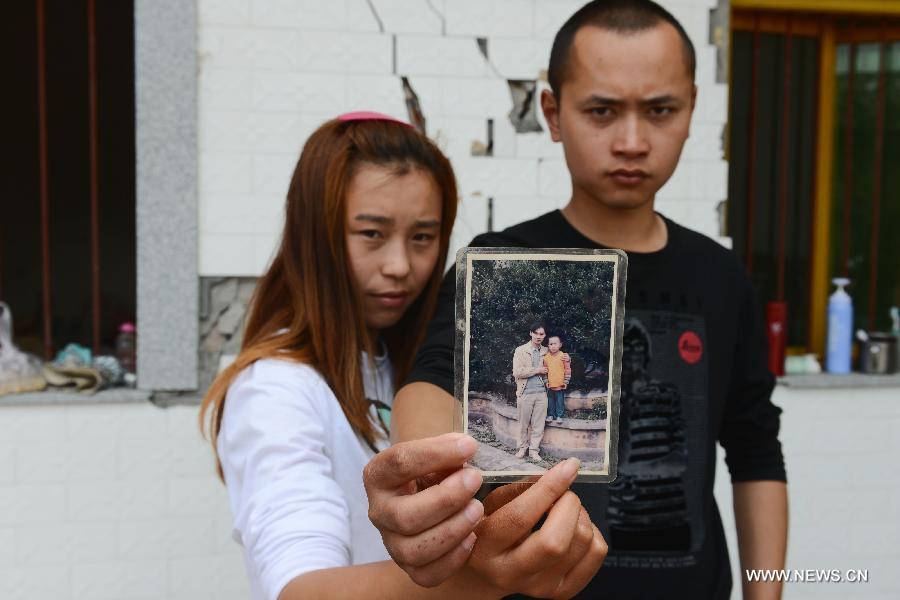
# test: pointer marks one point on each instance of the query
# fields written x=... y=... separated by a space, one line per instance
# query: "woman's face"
x=393 y=231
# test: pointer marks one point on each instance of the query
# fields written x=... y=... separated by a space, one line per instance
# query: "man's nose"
x=631 y=138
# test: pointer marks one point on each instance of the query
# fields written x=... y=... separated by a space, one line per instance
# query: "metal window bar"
x=876 y=187
x=44 y=178
x=785 y=155
x=813 y=209
x=751 y=151
x=848 y=162
x=94 y=190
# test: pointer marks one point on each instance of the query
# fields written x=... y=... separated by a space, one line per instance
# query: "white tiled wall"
x=112 y=502
x=120 y=501
x=273 y=70
x=841 y=448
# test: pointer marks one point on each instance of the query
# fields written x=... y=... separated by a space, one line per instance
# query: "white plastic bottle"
x=840 y=329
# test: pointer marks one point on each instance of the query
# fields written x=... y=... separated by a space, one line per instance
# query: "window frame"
x=819 y=19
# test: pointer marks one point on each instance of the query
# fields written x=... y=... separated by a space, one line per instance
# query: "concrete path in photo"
x=489 y=458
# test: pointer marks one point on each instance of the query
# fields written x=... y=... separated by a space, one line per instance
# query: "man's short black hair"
x=620 y=16
x=537 y=325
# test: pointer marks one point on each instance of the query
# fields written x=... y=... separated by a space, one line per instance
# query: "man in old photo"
x=531 y=392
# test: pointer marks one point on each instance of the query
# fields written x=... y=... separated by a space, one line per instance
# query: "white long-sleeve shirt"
x=293 y=468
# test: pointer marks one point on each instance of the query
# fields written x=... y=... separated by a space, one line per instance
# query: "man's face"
x=624 y=114
x=537 y=337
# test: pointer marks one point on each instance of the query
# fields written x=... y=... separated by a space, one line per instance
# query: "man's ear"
x=551 y=113
x=694 y=97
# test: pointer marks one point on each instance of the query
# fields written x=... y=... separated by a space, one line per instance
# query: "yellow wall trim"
x=870 y=7
x=821 y=258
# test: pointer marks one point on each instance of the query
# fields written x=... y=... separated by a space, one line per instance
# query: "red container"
x=776 y=331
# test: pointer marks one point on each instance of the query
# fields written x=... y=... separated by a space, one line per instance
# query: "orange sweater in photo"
x=559 y=370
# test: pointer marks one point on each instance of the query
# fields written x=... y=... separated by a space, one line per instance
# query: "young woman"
x=332 y=328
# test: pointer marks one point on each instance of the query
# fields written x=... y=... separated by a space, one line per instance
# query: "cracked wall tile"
x=526 y=104
x=494 y=18
x=269 y=79
x=413 y=107
x=335 y=52
x=440 y=56
x=520 y=59
x=383 y=93
x=408 y=16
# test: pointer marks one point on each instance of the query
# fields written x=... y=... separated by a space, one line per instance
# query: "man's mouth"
x=628 y=177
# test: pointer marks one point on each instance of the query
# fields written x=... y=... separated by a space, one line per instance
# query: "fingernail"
x=474 y=511
x=471 y=480
x=570 y=467
x=469 y=542
x=467 y=446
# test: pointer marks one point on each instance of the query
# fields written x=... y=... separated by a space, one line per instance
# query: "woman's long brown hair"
x=307 y=295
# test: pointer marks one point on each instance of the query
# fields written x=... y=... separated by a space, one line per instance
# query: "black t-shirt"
x=694 y=371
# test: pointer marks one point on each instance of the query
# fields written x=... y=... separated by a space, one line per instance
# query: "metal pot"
x=878 y=354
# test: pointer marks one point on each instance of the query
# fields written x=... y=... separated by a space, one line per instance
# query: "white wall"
x=120 y=501
x=272 y=70
x=113 y=502
x=841 y=448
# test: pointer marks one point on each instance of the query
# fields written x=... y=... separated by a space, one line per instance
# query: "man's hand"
x=542 y=370
x=420 y=499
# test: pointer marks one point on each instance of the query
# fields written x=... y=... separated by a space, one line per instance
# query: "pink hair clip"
x=366 y=115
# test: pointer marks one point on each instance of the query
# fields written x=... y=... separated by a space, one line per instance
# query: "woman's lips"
x=627 y=177
x=391 y=299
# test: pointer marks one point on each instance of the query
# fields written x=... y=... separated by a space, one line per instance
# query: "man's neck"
x=535 y=344
x=637 y=229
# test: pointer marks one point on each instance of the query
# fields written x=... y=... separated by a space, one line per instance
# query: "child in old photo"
x=559 y=372
x=531 y=392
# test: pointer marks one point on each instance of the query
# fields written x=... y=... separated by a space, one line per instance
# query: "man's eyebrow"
x=594 y=99
x=430 y=223
x=664 y=99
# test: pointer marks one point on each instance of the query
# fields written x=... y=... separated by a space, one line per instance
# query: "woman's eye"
x=372 y=234
x=423 y=237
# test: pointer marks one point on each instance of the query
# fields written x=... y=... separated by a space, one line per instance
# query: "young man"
x=694 y=366
x=531 y=392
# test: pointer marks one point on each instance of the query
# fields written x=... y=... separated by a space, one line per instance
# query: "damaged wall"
x=271 y=72
x=469 y=71
x=223 y=308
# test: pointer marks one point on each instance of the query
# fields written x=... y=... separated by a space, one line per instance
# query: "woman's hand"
x=556 y=561
x=420 y=498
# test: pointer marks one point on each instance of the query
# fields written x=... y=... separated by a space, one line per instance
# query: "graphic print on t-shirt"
x=654 y=515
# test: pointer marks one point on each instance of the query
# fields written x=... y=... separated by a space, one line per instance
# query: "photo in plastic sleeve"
x=538 y=358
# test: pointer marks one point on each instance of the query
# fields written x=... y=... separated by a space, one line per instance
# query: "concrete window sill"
x=853 y=380
x=48 y=397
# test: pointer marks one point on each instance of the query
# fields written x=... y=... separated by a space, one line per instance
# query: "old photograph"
x=539 y=349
